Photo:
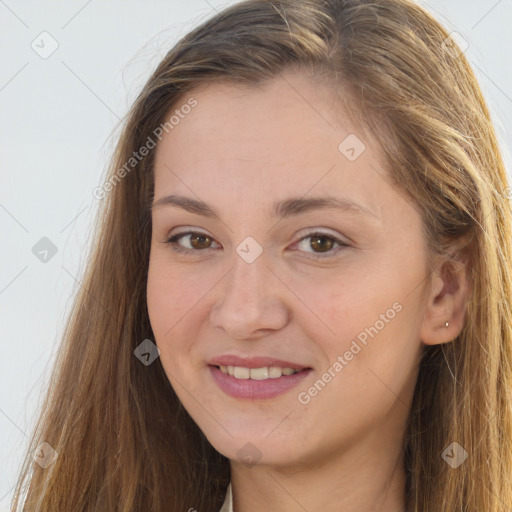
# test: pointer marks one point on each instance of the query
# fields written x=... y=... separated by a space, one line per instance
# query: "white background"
x=57 y=115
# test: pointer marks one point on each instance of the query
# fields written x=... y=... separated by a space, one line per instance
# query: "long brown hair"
x=124 y=441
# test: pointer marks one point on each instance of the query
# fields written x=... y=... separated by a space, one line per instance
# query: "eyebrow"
x=280 y=209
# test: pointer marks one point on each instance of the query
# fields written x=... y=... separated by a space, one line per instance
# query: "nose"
x=250 y=301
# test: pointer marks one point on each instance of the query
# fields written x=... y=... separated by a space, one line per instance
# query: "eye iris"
x=316 y=242
x=201 y=239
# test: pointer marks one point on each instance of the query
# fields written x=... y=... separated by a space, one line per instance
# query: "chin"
x=252 y=449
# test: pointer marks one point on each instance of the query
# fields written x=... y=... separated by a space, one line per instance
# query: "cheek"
x=176 y=311
x=171 y=295
x=370 y=318
x=344 y=304
x=160 y=300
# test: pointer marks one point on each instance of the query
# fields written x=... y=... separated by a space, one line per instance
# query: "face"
x=284 y=247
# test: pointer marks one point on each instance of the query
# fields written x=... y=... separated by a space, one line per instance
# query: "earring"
x=446 y=324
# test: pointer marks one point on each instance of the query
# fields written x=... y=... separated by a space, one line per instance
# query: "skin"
x=241 y=149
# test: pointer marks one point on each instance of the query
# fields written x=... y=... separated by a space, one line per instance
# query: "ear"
x=446 y=301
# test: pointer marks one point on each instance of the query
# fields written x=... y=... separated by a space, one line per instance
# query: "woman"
x=300 y=295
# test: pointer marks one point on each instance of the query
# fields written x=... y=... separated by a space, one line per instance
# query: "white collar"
x=228 y=500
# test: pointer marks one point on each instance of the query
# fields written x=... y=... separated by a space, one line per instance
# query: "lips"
x=256 y=378
x=254 y=362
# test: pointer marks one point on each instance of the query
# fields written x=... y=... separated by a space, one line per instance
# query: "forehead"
x=242 y=149
x=288 y=127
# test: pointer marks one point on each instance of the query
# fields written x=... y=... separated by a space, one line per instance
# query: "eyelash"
x=177 y=248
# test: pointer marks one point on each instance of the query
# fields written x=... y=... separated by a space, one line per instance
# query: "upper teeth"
x=272 y=372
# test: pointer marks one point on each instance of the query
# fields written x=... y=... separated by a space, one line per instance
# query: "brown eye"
x=322 y=243
x=193 y=242
x=200 y=241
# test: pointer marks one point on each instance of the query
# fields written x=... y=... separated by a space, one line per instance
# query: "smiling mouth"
x=259 y=382
x=262 y=373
